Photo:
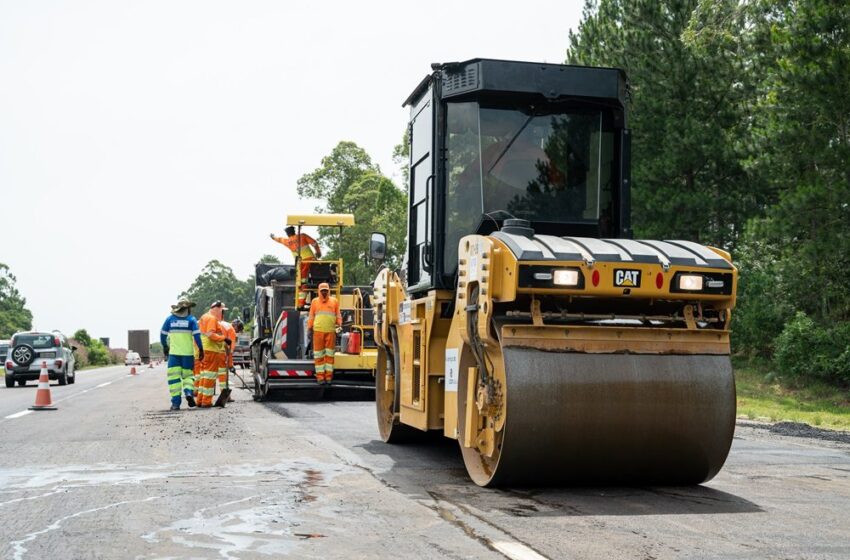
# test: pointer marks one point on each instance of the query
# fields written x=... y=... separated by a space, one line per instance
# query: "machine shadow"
x=446 y=479
x=321 y=395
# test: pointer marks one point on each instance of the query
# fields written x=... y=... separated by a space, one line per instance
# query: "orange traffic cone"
x=42 y=395
x=133 y=370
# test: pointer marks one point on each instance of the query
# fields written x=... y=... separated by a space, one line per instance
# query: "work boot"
x=190 y=400
x=175 y=407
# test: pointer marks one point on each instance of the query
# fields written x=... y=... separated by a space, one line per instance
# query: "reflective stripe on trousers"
x=213 y=363
x=180 y=377
x=323 y=354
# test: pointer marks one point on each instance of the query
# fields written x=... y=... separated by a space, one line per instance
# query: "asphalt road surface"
x=113 y=474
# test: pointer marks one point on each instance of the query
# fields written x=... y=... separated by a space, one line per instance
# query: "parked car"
x=27 y=352
x=132 y=359
x=242 y=352
x=4 y=349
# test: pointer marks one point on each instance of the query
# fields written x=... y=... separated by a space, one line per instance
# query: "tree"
x=689 y=115
x=269 y=259
x=82 y=336
x=401 y=157
x=217 y=282
x=345 y=165
x=348 y=182
x=793 y=295
x=14 y=315
x=378 y=206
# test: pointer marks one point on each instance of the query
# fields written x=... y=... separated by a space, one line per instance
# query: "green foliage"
x=689 y=117
x=350 y=183
x=14 y=316
x=269 y=259
x=98 y=353
x=90 y=351
x=401 y=157
x=741 y=140
x=217 y=282
x=82 y=336
x=805 y=349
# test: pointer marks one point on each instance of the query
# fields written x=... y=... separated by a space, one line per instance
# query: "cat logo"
x=626 y=278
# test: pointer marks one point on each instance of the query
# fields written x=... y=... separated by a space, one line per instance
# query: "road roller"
x=525 y=321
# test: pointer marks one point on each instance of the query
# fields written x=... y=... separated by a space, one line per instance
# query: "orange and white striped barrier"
x=42 y=395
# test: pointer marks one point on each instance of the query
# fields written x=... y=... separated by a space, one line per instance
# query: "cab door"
x=421 y=200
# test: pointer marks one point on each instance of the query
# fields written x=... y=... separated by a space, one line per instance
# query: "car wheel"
x=10 y=381
x=63 y=377
x=22 y=382
x=73 y=377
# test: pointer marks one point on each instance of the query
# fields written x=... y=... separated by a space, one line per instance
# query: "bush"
x=805 y=349
x=98 y=353
x=81 y=354
x=760 y=313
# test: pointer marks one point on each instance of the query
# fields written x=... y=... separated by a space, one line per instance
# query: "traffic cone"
x=133 y=370
x=42 y=395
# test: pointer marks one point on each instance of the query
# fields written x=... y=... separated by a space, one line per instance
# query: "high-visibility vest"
x=324 y=315
x=230 y=333
x=212 y=333
x=291 y=243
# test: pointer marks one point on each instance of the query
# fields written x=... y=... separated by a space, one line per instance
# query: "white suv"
x=28 y=350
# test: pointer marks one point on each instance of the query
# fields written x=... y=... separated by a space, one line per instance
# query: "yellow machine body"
x=665 y=419
x=525 y=322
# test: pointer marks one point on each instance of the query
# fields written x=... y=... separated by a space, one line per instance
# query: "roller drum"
x=575 y=418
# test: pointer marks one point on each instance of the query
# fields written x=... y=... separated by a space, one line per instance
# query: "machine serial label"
x=404 y=312
x=626 y=278
x=451 y=369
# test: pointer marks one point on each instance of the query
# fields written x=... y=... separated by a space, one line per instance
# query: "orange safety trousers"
x=213 y=363
x=302 y=290
x=324 y=344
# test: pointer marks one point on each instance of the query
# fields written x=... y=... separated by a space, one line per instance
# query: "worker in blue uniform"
x=178 y=333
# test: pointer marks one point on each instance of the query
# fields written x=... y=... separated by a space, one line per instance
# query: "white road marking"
x=517 y=551
x=77 y=394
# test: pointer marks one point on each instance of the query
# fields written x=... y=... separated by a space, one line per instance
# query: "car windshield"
x=35 y=340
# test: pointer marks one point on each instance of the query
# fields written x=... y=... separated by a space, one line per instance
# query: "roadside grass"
x=762 y=397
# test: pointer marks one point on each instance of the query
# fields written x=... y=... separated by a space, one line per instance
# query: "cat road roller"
x=525 y=322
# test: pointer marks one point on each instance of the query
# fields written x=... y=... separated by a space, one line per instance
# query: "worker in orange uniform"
x=213 y=340
x=323 y=324
x=304 y=249
x=230 y=333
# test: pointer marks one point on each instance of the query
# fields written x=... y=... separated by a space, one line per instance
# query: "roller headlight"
x=690 y=282
x=566 y=277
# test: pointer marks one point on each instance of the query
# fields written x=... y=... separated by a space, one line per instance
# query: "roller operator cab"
x=525 y=322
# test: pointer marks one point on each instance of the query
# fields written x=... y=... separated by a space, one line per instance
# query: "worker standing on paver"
x=215 y=360
x=324 y=322
x=304 y=249
x=178 y=333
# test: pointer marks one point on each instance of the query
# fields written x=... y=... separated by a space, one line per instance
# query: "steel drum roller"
x=617 y=418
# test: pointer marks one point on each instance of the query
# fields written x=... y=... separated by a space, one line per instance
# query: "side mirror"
x=246 y=314
x=378 y=246
x=73 y=348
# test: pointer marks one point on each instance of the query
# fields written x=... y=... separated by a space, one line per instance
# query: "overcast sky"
x=139 y=140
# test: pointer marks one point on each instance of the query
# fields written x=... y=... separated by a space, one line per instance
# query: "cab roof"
x=320 y=220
